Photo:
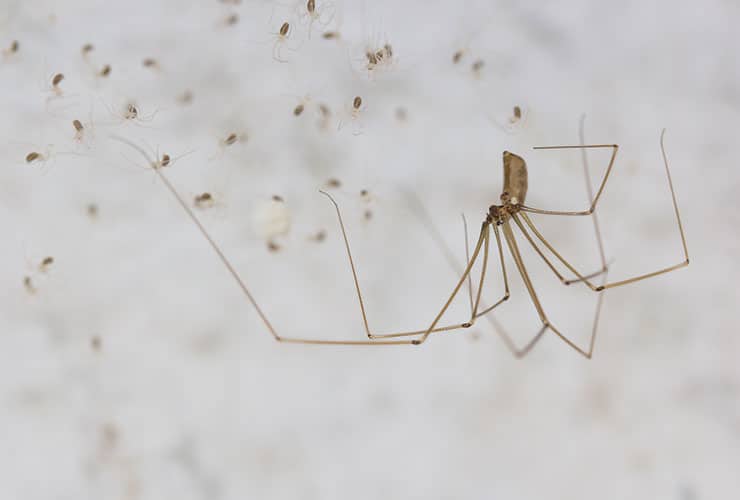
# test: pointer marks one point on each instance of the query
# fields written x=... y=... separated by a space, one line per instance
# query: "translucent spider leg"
x=633 y=279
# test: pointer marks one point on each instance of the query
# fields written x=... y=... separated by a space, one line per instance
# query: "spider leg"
x=546 y=324
x=482 y=238
x=552 y=267
x=633 y=279
x=595 y=199
x=240 y=282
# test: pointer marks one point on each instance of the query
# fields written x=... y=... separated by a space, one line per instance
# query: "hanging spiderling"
x=231 y=139
x=33 y=156
x=28 y=285
x=319 y=236
x=150 y=63
x=203 y=200
x=46 y=264
x=92 y=210
x=56 y=80
x=186 y=97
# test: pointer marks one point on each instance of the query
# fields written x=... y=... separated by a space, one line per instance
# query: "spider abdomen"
x=515 y=178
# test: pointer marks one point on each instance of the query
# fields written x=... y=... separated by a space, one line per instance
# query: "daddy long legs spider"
x=503 y=220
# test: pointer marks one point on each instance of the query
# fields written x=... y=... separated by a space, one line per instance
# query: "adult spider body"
x=503 y=219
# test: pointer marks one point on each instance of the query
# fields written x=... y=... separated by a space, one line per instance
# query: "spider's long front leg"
x=596 y=198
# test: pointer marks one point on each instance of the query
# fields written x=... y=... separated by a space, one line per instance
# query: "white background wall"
x=189 y=397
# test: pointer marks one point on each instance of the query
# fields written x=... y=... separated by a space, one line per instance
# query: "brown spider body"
x=515 y=189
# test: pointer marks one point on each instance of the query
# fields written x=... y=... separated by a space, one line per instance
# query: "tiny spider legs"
x=156 y=161
x=500 y=219
x=322 y=14
x=57 y=99
x=354 y=113
x=513 y=123
x=281 y=39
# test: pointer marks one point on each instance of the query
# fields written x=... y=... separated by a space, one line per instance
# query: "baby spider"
x=185 y=98
x=155 y=161
x=229 y=141
x=331 y=35
x=203 y=200
x=324 y=113
x=401 y=114
x=54 y=92
x=318 y=236
x=92 y=210
x=324 y=14
x=45 y=264
x=151 y=63
x=130 y=112
x=35 y=156
x=356 y=106
x=56 y=81
x=477 y=68
x=12 y=49
x=233 y=138
x=503 y=219
x=354 y=115
x=29 y=286
x=86 y=50
x=45 y=158
x=514 y=122
x=79 y=130
x=231 y=20
x=458 y=56
x=282 y=38
x=304 y=104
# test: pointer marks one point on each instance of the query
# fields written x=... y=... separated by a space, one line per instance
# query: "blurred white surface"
x=187 y=395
